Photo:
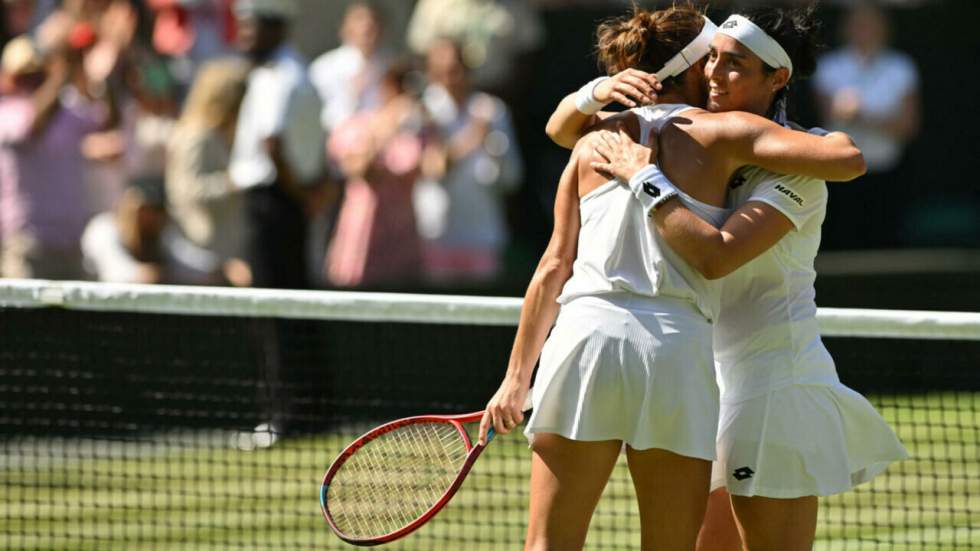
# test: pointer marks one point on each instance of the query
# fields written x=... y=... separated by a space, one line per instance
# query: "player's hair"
x=796 y=30
x=646 y=40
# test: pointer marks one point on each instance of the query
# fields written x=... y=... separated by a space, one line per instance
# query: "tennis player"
x=789 y=430
x=629 y=357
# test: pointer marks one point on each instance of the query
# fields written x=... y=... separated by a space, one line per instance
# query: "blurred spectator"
x=22 y=16
x=496 y=38
x=60 y=23
x=348 y=78
x=148 y=112
x=462 y=217
x=135 y=243
x=872 y=93
x=381 y=153
x=45 y=111
x=278 y=152
x=203 y=202
x=191 y=32
x=103 y=32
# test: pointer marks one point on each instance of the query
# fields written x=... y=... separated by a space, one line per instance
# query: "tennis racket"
x=395 y=478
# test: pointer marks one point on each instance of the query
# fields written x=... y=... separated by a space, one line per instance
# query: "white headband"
x=698 y=48
x=757 y=40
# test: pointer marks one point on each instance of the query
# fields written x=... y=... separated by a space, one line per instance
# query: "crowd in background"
x=189 y=141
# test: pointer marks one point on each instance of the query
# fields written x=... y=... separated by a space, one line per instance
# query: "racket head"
x=393 y=479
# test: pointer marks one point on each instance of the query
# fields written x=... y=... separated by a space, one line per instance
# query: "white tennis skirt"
x=802 y=440
x=626 y=368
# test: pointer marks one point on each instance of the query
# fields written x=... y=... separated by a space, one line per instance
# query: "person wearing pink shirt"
x=380 y=151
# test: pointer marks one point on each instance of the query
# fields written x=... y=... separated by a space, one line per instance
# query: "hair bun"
x=646 y=39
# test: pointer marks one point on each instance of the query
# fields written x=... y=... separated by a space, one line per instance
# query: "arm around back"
x=717 y=252
x=753 y=140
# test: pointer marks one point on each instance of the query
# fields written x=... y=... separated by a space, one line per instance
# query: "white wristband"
x=652 y=188
x=585 y=100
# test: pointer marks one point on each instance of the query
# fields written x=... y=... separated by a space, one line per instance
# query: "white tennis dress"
x=629 y=357
x=788 y=427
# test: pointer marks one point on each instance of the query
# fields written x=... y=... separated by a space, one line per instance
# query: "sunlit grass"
x=198 y=491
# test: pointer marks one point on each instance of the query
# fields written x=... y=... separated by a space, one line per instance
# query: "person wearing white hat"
x=278 y=151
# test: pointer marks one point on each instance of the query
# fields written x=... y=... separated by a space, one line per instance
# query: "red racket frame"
x=473 y=452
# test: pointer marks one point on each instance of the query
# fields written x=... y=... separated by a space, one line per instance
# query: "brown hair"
x=646 y=40
x=215 y=95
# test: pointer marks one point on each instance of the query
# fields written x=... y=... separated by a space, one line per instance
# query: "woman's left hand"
x=619 y=156
x=630 y=88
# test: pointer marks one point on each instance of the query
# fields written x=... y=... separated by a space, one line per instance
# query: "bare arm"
x=747 y=233
x=629 y=88
x=715 y=253
x=567 y=124
x=539 y=310
x=47 y=98
x=752 y=140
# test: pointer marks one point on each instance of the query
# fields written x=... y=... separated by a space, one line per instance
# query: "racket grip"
x=490 y=434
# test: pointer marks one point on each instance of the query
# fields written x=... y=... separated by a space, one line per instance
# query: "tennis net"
x=136 y=417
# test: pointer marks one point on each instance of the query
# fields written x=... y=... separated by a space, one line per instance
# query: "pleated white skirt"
x=802 y=440
x=626 y=368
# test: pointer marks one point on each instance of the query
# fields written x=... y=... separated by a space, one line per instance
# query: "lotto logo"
x=743 y=473
x=651 y=190
x=730 y=25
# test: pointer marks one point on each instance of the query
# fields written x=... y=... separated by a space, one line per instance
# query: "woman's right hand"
x=630 y=88
x=505 y=410
x=619 y=156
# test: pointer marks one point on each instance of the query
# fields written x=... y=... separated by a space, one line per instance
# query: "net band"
x=138 y=417
x=412 y=308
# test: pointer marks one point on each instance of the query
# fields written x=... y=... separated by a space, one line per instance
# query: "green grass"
x=197 y=492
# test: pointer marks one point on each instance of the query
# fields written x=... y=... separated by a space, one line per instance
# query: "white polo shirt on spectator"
x=279 y=101
x=882 y=84
x=347 y=82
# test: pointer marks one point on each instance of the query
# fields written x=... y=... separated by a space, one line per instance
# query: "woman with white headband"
x=628 y=361
x=789 y=430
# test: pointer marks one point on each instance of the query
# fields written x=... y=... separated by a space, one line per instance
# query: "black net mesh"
x=149 y=431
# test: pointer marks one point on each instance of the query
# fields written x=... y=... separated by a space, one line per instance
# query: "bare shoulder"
x=583 y=155
x=693 y=125
x=584 y=150
x=626 y=119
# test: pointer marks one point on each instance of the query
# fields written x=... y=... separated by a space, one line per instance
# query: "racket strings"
x=395 y=478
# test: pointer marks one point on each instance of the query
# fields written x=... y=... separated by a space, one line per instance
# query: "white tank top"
x=619 y=249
